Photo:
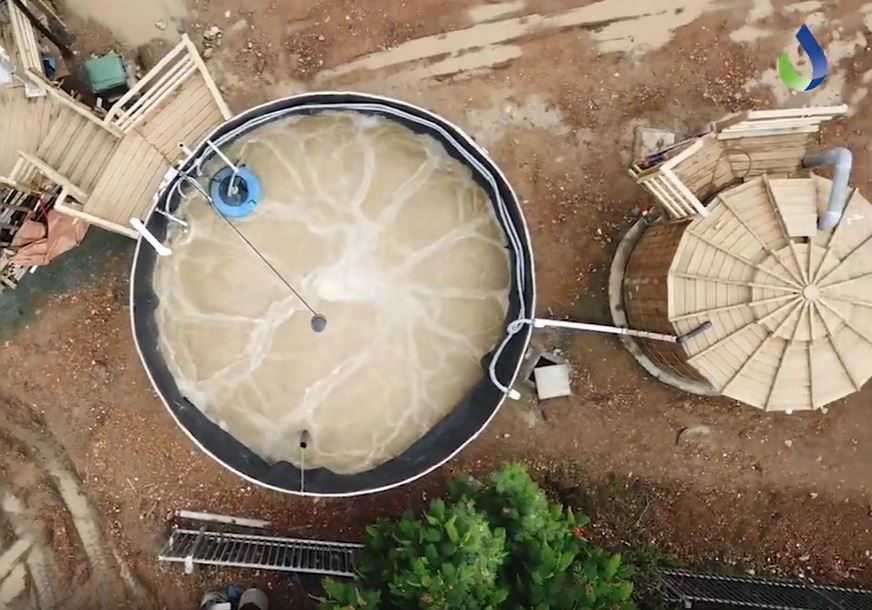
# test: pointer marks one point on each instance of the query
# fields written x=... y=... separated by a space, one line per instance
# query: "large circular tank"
x=497 y=365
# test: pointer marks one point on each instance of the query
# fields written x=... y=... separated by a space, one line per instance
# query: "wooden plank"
x=210 y=84
x=62 y=132
x=173 y=121
x=141 y=182
x=115 y=167
x=93 y=159
x=810 y=111
x=751 y=133
x=664 y=200
x=99 y=162
x=25 y=39
x=74 y=149
x=686 y=194
x=190 y=131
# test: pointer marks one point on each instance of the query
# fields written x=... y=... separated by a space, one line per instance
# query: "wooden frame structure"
x=685 y=176
x=788 y=307
x=27 y=46
x=108 y=170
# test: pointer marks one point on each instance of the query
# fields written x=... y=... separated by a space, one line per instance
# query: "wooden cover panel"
x=791 y=316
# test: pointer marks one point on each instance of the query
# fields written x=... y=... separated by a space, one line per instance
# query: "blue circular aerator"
x=235 y=197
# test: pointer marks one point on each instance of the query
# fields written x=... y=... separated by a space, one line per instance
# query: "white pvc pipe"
x=161 y=249
x=599 y=328
x=229 y=163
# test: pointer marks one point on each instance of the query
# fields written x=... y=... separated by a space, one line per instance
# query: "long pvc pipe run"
x=611 y=330
x=841 y=159
x=616 y=330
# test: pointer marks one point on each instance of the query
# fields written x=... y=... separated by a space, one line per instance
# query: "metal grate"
x=725 y=592
x=202 y=547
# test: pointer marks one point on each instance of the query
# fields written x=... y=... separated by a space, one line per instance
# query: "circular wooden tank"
x=789 y=305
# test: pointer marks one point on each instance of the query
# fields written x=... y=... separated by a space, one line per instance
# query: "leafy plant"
x=498 y=546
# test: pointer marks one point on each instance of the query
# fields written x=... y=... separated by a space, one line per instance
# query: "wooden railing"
x=180 y=64
x=25 y=39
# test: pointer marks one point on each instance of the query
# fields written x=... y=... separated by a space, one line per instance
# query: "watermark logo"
x=816 y=56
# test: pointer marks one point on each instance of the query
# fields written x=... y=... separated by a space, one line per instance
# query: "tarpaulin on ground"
x=39 y=244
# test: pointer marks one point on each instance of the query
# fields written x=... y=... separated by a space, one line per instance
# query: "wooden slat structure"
x=789 y=305
x=24 y=124
x=683 y=178
x=26 y=41
x=108 y=170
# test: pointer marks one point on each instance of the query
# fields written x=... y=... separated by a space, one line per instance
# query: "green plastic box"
x=106 y=73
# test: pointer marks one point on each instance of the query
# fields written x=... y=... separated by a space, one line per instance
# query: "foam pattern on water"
x=385 y=234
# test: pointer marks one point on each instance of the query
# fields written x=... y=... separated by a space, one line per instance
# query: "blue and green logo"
x=815 y=53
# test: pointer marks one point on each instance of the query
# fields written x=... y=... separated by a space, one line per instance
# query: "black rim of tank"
x=442 y=442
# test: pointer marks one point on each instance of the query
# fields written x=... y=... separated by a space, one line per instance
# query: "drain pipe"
x=615 y=330
x=841 y=160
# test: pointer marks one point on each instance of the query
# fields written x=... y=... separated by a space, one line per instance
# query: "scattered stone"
x=250 y=45
x=813 y=495
x=649 y=139
x=788 y=444
x=208 y=52
x=692 y=434
x=321 y=37
x=101 y=372
x=805 y=558
x=161 y=25
x=238 y=26
x=212 y=32
x=227 y=14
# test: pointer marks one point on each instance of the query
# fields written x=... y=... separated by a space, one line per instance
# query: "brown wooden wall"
x=777 y=154
x=706 y=171
x=646 y=294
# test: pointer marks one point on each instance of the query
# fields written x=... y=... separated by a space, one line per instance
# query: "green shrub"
x=498 y=546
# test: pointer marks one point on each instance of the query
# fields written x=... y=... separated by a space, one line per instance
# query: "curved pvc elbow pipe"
x=841 y=159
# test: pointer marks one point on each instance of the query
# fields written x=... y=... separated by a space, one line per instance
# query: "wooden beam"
x=95 y=220
x=54 y=175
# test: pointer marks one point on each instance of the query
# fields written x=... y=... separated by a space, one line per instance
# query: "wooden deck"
x=77 y=148
x=24 y=124
x=176 y=102
x=109 y=170
x=127 y=187
x=187 y=117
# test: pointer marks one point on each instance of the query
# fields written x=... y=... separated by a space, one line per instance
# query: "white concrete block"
x=552 y=381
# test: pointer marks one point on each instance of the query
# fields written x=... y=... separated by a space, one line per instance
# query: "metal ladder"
x=698 y=590
x=202 y=547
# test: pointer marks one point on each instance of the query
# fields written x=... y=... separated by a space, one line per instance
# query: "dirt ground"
x=553 y=89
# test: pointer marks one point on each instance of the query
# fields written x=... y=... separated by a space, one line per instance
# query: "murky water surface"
x=384 y=233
